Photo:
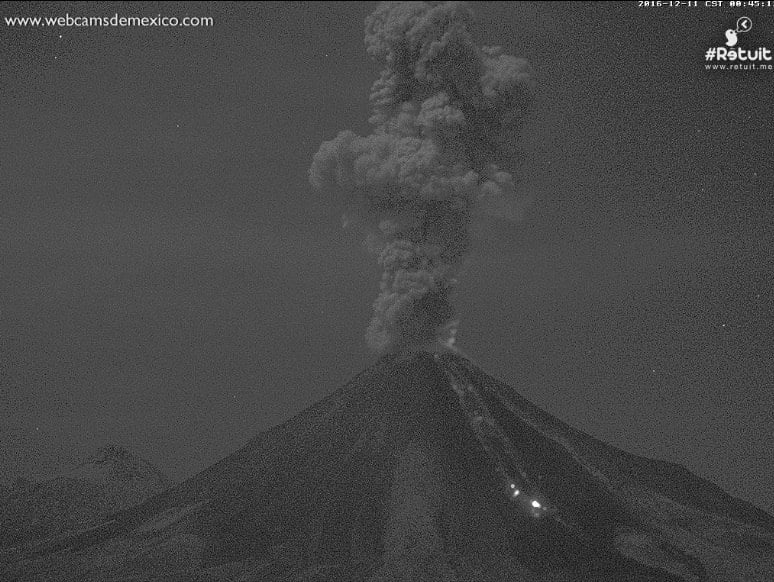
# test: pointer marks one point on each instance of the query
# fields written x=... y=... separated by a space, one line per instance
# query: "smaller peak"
x=109 y=452
x=114 y=451
x=113 y=462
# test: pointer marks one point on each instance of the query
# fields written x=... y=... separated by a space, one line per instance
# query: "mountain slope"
x=107 y=481
x=422 y=468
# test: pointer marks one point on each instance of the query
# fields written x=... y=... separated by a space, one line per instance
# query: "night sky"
x=170 y=282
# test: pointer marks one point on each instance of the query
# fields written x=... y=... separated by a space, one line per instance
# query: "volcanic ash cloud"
x=445 y=116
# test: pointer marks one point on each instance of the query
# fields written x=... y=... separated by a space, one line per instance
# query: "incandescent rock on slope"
x=425 y=469
x=107 y=481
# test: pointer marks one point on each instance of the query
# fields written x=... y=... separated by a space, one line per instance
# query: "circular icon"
x=744 y=24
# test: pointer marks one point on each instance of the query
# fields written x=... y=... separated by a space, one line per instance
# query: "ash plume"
x=445 y=114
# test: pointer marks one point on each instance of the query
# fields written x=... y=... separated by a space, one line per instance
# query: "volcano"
x=421 y=468
x=110 y=479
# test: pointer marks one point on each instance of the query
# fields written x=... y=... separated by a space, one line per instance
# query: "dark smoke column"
x=445 y=115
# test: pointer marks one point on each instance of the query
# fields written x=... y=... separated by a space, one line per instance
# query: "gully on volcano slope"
x=655 y=512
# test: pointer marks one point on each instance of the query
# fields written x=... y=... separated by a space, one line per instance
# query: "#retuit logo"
x=733 y=57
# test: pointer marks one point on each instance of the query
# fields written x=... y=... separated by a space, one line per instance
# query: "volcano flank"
x=421 y=468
